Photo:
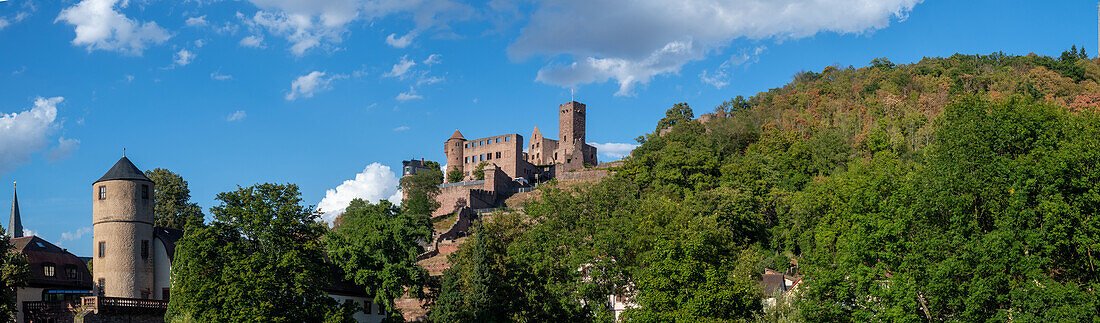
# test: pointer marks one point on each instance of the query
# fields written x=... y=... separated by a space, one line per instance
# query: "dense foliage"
x=173 y=208
x=14 y=272
x=260 y=260
x=952 y=189
x=376 y=245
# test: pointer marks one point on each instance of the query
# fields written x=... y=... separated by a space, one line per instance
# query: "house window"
x=144 y=249
x=103 y=192
x=102 y=249
x=498 y=154
x=144 y=192
x=73 y=273
x=48 y=269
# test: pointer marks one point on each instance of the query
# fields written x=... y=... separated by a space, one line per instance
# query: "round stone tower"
x=122 y=232
x=453 y=147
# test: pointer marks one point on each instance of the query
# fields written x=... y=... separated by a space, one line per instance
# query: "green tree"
x=376 y=245
x=679 y=113
x=14 y=273
x=479 y=171
x=261 y=259
x=420 y=190
x=454 y=175
x=173 y=208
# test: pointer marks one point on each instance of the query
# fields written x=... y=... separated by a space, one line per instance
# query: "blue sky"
x=328 y=93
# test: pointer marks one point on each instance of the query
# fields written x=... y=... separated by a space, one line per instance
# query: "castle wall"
x=504 y=151
x=122 y=221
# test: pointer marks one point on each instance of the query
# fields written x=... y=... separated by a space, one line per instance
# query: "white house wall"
x=162 y=269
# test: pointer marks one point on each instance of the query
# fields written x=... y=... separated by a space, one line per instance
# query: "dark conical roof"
x=123 y=169
x=15 y=225
x=457 y=135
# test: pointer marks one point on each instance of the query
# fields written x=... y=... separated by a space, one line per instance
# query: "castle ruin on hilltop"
x=507 y=167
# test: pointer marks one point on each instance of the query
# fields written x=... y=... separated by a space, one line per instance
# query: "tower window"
x=103 y=192
x=48 y=269
x=144 y=249
x=102 y=249
x=144 y=192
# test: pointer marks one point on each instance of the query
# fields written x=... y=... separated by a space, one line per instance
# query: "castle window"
x=367 y=306
x=489 y=156
x=48 y=269
x=467 y=159
x=102 y=285
x=145 y=294
x=466 y=146
x=102 y=249
x=498 y=154
x=498 y=140
x=144 y=249
x=144 y=192
x=102 y=192
x=506 y=138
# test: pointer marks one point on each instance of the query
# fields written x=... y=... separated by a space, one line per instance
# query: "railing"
x=462 y=184
x=525 y=189
x=47 y=306
x=123 y=304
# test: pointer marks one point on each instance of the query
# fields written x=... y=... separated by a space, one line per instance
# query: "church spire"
x=15 y=225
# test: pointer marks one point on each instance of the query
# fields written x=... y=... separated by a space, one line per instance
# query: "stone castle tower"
x=122 y=230
x=570 y=126
x=454 y=149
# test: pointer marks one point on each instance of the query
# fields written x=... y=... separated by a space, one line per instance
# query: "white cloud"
x=401 y=128
x=613 y=150
x=200 y=43
x=309 y=24
x=74 y=235
x=375 y=183
x=236 y=116
x=217 y=75
x=307 y=85
x=627 y=72
x=252 y=41
x=433 y=59
x=426 y=80
x=720 y=77
x=64 y=149
x=647 y=38
x=183 y=57
x=400 y=42
x=196 y=21
x=129 y=78
x=401 y=67
x=26 y=132
x=6 y=21
x=29 y=232
x=306 y=23
x=100 y=26
x=410 y=95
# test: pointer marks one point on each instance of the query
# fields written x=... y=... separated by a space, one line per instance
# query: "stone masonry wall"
x=122 y=221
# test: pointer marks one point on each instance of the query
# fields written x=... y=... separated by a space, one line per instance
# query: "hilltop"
x=957 y=188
